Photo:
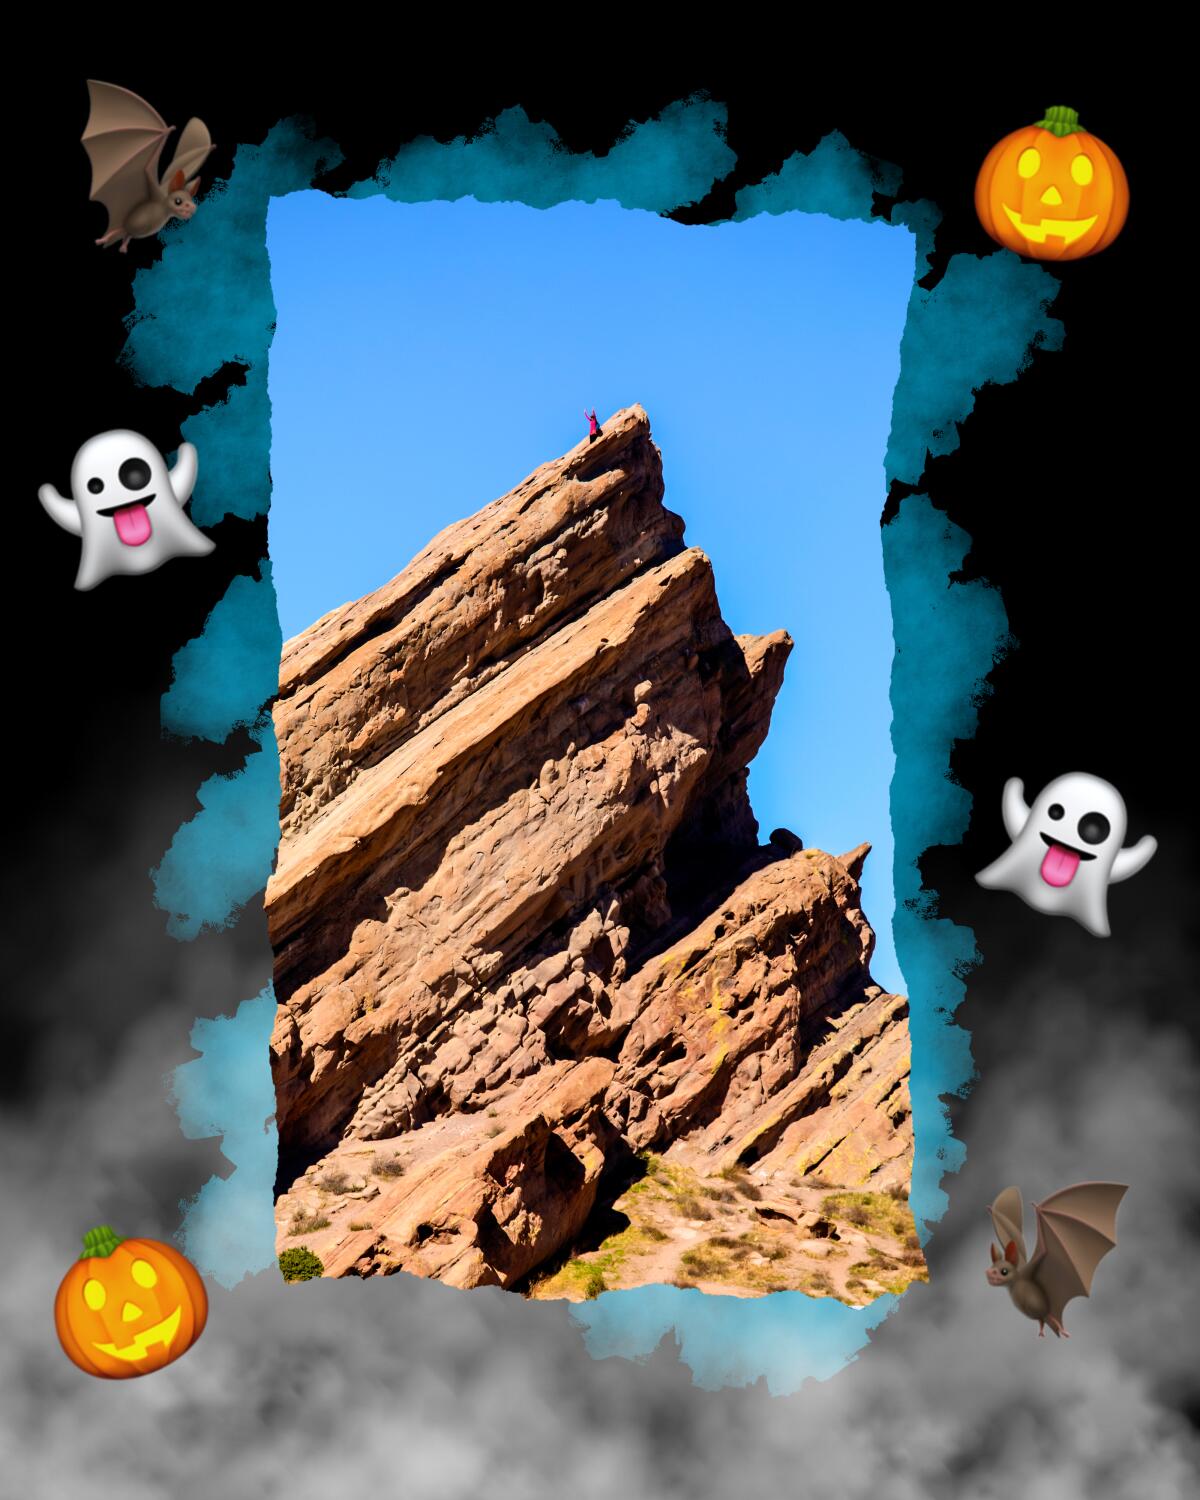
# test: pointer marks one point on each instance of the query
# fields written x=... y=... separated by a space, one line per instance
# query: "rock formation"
x=528 y=950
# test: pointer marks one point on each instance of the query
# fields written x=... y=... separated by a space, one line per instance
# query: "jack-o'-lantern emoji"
x=1052 y=191
x=127 y=1307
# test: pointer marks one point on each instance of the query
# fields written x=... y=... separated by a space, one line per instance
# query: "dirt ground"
x=741 y=1233
x=737 y=1235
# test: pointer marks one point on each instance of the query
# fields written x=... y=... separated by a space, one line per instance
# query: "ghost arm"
x=1129 y=861
x=183 y=475
x=1014 y=808
x=64 y=513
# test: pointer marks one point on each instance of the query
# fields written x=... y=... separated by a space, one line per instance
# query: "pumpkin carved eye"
x=94 y=1294
x=144 y=1273
x=1029 y=161
x=1082 y=170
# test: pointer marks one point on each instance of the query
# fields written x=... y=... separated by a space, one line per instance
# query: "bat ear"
x=1010 y=1252
x=176 y=182
x=193 y=187
x=995 y=1254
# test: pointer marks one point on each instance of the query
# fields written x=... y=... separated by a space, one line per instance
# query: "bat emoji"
x=1076 y=1228
x=124 y=139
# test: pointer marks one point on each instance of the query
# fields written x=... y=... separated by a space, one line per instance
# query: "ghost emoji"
x=126 y=507
x=1066 y=849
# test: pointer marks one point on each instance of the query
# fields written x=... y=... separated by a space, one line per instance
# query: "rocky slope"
x=530 y=958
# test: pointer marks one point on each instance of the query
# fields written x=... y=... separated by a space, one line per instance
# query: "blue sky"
x=428 y=356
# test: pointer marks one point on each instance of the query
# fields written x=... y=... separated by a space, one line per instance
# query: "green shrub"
x=879 y=1213
x=308 y=1223
x=594 y=1283
x=725 y=1249
x=692 y=1208
x=334 y=1181
x=699 y=1264
x=299 y=1264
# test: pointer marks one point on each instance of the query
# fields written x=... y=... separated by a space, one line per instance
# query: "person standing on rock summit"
x=594 y=428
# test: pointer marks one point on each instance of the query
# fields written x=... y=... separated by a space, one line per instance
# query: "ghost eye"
x=178 y=202
x=1054 y=811
x=144 y=1273
x=1029 y=161
x=95 y=486
x=134 y=474
x=1082 y=170
x=1094 y=828
x=94 y=1294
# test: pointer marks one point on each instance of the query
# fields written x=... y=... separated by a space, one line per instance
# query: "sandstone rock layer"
x=526 y=940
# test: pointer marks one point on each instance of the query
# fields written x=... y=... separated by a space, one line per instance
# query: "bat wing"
x=190 y=152
x=123 y=136
x=1077 y=1227
x=1008 y=1220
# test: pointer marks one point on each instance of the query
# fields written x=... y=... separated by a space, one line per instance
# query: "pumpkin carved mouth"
x=161 y=1333
x=1067 y=230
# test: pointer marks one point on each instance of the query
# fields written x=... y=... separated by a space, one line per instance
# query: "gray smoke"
x=406 y=1388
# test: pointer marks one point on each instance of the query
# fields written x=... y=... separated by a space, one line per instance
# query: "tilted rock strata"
x=365 y=677
x=523 y=929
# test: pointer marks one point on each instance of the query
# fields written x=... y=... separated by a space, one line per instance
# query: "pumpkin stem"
x=1060 y=120
x=100 y=1242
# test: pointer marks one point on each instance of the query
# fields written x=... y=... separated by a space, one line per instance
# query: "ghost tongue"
x=133 y=523
x=1059 y=865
